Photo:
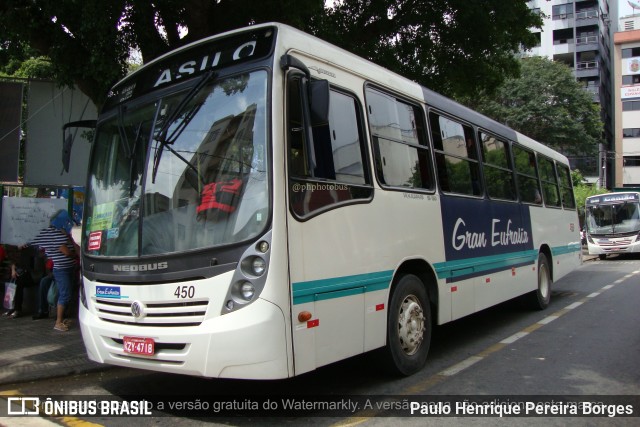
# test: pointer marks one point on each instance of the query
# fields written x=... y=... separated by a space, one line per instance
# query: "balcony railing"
x=562 y=16
x=587 y=14
x=587 y=40
x=586 y=65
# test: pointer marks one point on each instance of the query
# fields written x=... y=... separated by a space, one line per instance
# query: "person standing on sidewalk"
x=60 y=248
x=21 y=265
x=43 y=292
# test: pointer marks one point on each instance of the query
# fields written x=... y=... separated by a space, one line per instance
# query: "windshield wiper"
x=133 y=169
x=161 y=135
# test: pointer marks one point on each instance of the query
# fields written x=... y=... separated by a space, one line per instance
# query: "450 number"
x=185 y=292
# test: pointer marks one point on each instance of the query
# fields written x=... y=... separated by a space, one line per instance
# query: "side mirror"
x=67 y=140
x=319 y=102
x=318 y=91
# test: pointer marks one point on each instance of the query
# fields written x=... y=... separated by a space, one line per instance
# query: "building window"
x=631 y=80
x=631 y=52
x=630 y=105
x=631 y=133
x=631 y=161
x=562 y=11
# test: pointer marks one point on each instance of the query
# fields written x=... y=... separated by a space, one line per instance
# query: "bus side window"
x=399 y=142
x=456 y=156
x=526 y=170
x=550 y=190
x=496 y=165
x=566 y=190
x=340 y=173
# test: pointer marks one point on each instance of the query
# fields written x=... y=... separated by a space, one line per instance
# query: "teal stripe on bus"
x=476 y=266
x=338 y=287
x=470 y=266
x=563 y=250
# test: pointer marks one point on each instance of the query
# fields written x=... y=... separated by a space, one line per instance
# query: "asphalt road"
x=586 y=344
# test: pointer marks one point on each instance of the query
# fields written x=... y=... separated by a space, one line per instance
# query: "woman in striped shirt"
x=59 y=247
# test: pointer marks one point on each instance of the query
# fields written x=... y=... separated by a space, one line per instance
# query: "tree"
x=547 y=104
x=582 y=190
x=453 y=46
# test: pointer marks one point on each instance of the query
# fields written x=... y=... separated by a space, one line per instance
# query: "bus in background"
x=612 y=223
x=262 y=203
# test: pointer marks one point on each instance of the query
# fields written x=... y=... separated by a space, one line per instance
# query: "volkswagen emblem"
x=137 y=309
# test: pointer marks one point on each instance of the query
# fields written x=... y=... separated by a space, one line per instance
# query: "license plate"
x=137 y=345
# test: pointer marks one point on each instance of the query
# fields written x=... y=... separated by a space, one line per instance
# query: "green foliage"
x=582 y=190
x=35 y=68
x=547 y=104
x=455 y=47
x=452 y=46
x=81 y=38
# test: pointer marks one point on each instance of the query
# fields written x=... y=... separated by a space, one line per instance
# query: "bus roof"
x=292 y=40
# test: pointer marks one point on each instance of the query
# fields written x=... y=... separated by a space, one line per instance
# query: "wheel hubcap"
x=411 y=325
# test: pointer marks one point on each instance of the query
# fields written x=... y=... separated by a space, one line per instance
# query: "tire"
x=602 y=256
x=540 y=298
x=408 y=327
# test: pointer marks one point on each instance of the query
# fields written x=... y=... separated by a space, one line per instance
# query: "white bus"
x=612 y=223
x=262 y=203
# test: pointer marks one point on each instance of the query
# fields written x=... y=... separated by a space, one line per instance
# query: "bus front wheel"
x=408 y=326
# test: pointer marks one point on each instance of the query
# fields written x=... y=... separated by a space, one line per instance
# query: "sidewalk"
x=32 y=350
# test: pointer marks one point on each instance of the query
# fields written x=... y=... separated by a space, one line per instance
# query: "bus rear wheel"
x=540 y=298
x=408 y=326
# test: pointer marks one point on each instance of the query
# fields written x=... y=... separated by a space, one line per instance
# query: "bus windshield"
x=182 y=172
x=613 y=218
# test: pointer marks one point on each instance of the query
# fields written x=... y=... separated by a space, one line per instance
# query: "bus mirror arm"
x=318 y=91
x=288 y=61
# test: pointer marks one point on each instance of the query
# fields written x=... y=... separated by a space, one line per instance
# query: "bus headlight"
x=241 y=293
x=254 y=266
x=258 y=266
x=250 y=276
x=247 y=291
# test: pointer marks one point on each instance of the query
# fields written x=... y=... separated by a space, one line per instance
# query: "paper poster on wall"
x=45 y=163
x=23 y=217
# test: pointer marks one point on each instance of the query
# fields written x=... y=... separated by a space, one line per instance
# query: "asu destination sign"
x=194 y=60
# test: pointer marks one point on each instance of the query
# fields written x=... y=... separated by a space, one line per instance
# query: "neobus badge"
x=141 y=267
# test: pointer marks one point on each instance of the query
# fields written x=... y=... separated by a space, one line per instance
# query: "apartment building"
x=626 y=60
x=577 y=33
